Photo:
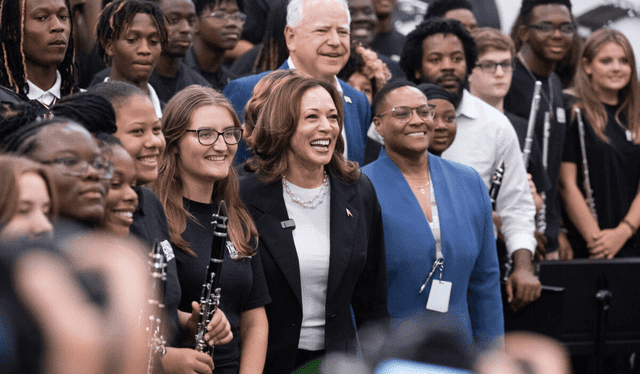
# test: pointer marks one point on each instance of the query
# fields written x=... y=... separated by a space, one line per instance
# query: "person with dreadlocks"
x=131 y=35
x=36 y=57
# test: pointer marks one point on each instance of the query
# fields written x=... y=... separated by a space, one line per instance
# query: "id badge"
x=439 y=296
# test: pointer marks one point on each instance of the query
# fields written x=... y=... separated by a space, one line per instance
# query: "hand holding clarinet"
x=210 y=299
x=206 y=322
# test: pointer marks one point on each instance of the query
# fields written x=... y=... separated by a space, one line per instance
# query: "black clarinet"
x=210 y=299
x=496 y=182
x=158 y=273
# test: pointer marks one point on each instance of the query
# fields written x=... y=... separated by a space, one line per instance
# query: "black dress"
x=614 y=172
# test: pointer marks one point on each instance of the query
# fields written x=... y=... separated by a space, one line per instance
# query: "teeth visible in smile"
x=215 y=158
x=416 y=134
x=320 y=144
x=148 y=160
x=124 y=214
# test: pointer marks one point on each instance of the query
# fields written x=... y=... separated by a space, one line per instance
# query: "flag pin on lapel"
x=349 y=213
x=348 y=100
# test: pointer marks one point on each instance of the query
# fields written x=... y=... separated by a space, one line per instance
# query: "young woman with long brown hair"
x=607 y=90
x=202 y=132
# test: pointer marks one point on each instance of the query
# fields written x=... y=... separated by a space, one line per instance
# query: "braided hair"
x=13 y=68
x=92 y=111
x=117 y=16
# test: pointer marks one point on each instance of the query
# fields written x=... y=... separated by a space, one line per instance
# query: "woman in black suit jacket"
x=319 y=223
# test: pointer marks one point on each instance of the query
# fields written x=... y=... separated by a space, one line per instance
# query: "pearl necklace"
x=311 y=204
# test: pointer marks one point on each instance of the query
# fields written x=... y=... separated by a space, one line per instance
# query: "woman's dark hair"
x=117 y=16
x=278 y=122
x=92 y=111
x=117 y=92
x=13 y=68
x=411 y=57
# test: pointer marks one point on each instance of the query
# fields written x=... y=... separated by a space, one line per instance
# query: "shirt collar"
x=467 y=106
x=45 y=97
x=338 y=87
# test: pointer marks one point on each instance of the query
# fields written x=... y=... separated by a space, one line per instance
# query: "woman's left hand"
x=608 y=242
x=219 y=329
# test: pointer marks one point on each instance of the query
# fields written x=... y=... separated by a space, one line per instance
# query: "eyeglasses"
x=546 y=28
x=489 y=67
x=210 y=136
x=220 y=16
x=79 y=168
x=404 y=113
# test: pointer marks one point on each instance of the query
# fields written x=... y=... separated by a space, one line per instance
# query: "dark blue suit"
x=357 y=113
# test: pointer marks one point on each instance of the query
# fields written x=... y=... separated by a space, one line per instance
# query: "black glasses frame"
x=490 y=67
x=234 y=130
x=568 y=29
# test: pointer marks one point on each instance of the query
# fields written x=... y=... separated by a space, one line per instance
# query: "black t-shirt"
x=242 y=282
x=614 y=173
x=217 y=79
x=150 y=225
x=518 y=102
x=166 y=87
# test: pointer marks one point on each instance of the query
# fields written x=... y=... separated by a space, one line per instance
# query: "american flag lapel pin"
x=347 y=99
x=349 y=213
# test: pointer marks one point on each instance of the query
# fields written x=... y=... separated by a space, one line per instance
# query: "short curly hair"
x=411 y=57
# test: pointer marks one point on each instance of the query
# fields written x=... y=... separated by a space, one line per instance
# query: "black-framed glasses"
x=230 y=136
x=490 y=67
x=404 y=113
x=546 y=28
x=221 y=15
x=77 y=167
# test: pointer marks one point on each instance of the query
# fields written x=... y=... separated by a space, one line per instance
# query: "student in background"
x=37 y=51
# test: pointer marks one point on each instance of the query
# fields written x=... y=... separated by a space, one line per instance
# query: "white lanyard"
x=437 y=235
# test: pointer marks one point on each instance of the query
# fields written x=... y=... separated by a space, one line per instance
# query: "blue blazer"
x=357 y=113
x=468 y=246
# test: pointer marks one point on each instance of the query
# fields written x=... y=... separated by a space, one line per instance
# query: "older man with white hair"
x=317 y=35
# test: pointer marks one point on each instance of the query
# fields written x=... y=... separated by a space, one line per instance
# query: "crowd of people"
x=383 y=196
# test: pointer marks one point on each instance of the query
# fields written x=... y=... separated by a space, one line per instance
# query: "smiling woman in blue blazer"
x=426 y=200
x=319 y=223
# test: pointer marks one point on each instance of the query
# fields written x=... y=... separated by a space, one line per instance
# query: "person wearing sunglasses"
x=196 y=173
x=217 y=30
x=438 y=230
